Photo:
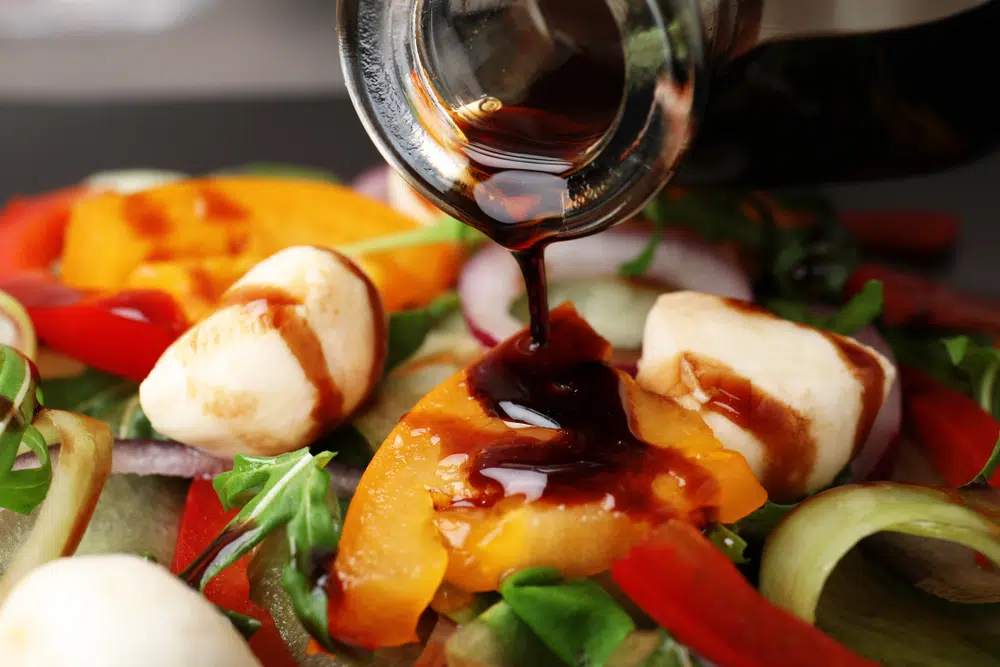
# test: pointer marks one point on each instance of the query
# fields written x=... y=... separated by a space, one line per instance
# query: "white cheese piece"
x=300 y=346
x=114 y=611
x=797 y=402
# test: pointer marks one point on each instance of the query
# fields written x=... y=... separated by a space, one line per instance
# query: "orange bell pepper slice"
x=406 y=532
x=193 y=238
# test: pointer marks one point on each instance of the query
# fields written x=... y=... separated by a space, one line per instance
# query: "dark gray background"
x=45 y=145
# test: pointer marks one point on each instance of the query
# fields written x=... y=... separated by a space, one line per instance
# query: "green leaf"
x=111 y=399
x=860 y=311
x=244 y=624
x=728 y=541
x=762 y=521
x=408 y=329
x=577 y=620
x=499 y=638
x=352 y=447
x=639 y=265
x=279 y=170
x=446 y=230
x=271 y=491
x=981 y=364
x=809 y=264
x=21 y=490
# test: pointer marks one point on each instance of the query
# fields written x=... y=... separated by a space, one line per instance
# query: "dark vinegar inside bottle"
x=522 y=145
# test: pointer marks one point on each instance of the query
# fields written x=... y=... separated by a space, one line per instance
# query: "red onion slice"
x=490 y=281
x=373 y=183
x=171 y=459
x=888 y=422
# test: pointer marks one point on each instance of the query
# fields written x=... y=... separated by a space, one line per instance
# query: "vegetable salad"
x=241 y=415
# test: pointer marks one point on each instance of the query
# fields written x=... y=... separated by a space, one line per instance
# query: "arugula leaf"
x=280 y=170
x=291 y=491
x=863 y=308
x=21 y=490
x=408 y=329
x=728 y=541
x=981 y=365
x=245 y=625
x=811 y=263
x=446 y=230
x=578 y=620
x=352 y=447
x=762 y=521
x=109 y=398
x=639 y=265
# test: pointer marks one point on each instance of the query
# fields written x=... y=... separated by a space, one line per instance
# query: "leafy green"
x=728 y=541
x=352 y=447
x=576 y=619
x=499 y=638
x=639 y=265
x=809 y=264
x=860 y=311
x=765 y=519
x=855 y=315
x=280 y=170
x=245 y=625
x=109 y=398
x=291 y=491
x=981 y=364
x=20 y=490
x=408 y=329
x=446 y=230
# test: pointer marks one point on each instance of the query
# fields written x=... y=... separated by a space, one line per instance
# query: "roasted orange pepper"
x=194 y=238
x=415 y=522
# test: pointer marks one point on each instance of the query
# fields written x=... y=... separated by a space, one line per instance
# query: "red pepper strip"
x=953 y=430
x=917 y=232
x=915 y=300
x=202 y=521
x=690 y=588
x=123 y=334
x=32 y=230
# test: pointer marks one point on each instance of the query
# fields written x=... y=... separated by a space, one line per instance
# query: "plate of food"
x=264 y=417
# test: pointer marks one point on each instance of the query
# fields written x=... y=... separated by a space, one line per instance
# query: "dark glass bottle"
x=853 y=107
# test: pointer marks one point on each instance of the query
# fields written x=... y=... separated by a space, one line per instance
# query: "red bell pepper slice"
x=952 y=429
x=123 y=334
x=202 y=521
x=32 y=230
x=917 y=232
x=690 y=588
x=920 y=301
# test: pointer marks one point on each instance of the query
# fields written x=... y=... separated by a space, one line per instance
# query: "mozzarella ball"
x=796 y=401
x=297 y=346
x=114 y=611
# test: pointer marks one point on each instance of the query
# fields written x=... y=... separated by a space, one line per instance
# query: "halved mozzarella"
x=796 y=401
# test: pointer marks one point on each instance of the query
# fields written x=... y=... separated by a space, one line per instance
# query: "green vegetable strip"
x=802 y=552
x=24 y=331
x=84 y=466
x=21 y=490
x=447 y=230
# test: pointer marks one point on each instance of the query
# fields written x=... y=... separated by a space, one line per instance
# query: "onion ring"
x=491 y=280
